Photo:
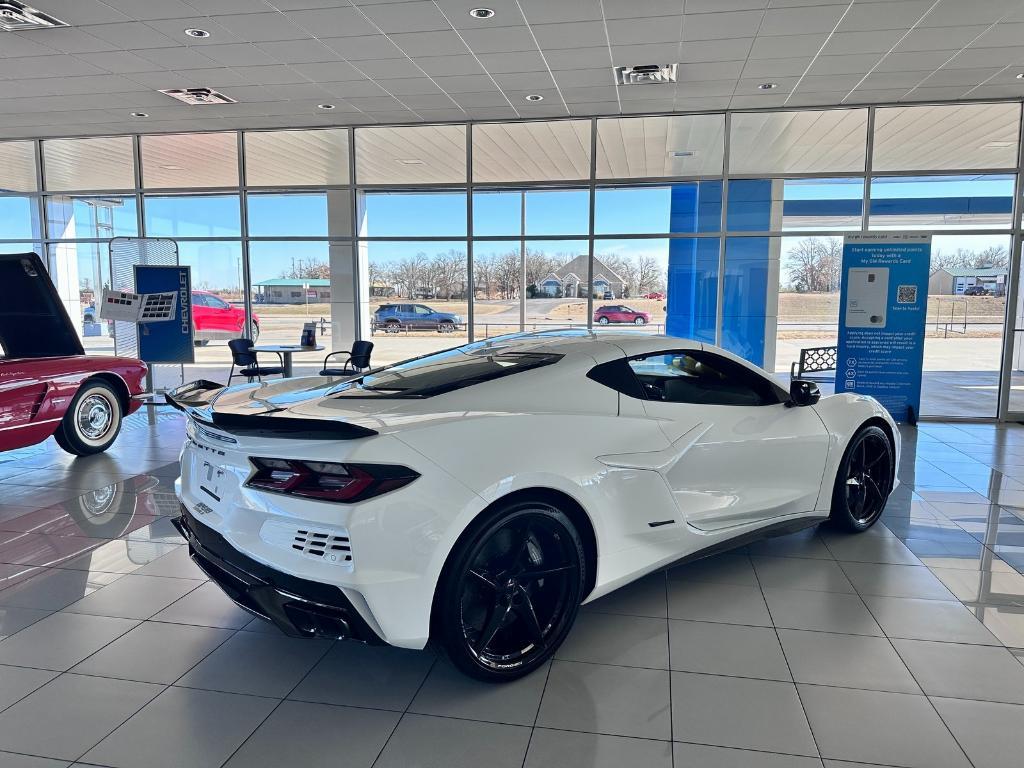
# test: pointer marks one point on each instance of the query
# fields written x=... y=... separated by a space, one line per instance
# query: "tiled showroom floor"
x=896 y=647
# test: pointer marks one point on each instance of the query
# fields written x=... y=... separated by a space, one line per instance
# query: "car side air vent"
x=322 y=545
x=198 y=96
x=326 y=544
x=646 y=74
x=17 y=17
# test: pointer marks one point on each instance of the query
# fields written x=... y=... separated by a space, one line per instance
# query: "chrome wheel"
x=519 y=592
x=95 y=416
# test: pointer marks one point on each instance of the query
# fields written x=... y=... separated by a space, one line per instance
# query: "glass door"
x=1011 y=387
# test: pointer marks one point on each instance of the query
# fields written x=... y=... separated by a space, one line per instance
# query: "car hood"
x=33 y=320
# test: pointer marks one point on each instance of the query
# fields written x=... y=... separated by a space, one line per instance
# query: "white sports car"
x=478 y=496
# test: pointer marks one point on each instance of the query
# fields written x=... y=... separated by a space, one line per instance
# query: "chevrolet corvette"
x=476 y=497
x=48 y=385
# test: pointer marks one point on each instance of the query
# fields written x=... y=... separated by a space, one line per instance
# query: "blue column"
x=693 y=262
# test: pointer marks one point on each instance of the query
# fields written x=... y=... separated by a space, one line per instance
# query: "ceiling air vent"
x=646 y=74
x=17 y=17
x=199 y=96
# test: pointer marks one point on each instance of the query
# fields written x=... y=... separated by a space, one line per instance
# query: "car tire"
x=639 y=321
x=201 y=342
x=603 y=321
x=446 y=327
x=864 y=480
x=524 y=560
x=254 y=332
x=92 y=421
x=392 y=326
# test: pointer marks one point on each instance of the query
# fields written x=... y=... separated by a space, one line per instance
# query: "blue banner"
x=882 y=306
x=169 y=341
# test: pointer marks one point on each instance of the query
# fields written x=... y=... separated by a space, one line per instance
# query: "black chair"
x=357 y=362
x=245 y=360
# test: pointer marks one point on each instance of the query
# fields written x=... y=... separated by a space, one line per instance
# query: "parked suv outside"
x=619 y=313
x=396 y=317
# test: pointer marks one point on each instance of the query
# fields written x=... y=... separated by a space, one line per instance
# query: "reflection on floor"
x=901 y=646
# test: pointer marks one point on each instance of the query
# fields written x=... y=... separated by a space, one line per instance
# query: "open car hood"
x=33 y=320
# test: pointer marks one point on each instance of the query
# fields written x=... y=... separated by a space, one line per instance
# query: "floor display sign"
x=169 y=341
x=882 y=308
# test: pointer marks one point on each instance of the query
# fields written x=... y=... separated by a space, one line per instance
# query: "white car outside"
x=477 y=496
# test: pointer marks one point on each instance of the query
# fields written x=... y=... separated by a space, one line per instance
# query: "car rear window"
x=442 y=372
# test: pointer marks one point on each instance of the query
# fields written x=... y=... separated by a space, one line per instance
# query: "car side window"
x=198 y=300
x=701 y=378
x=421 y=310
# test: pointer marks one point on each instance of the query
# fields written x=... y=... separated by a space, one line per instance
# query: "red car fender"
x=35 y=393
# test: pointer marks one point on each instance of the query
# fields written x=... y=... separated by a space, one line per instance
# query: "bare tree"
x=962 y=258
x=302 y=269
x=815 y=264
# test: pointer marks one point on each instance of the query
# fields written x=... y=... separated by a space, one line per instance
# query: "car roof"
x=599 y=345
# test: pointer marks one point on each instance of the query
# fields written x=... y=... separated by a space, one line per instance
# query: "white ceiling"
x=388 y=61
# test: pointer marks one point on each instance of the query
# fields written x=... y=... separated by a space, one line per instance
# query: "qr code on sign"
x=906 y=294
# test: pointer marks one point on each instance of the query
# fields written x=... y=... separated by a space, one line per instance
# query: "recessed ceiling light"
x=140 y=114
x=482 y=13
x=535 y=97
x=172 y=167
x=767 y=86
x=999 y=144
x=194 y=32
x=325 y=106
x=410 y=161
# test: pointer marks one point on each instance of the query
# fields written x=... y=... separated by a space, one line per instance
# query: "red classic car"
x=619 y=313
x=47 y=384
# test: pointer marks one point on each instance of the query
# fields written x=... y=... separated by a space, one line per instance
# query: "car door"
x=424 y=317
x=200 y=313
x=740 y=454
x=222 y=316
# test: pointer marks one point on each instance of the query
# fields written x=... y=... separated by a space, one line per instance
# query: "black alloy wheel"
x=512 y=592
x=864 y=481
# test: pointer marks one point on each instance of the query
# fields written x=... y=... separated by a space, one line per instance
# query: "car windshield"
x=442 y=372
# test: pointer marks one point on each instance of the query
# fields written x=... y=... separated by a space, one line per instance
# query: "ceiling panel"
x=650 y=147
x=543 y=151
x=974 y=136
x=429 y=60
x=190 y=160
x=798 y=142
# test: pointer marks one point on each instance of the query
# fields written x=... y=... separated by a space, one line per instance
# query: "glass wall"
x=722 y=227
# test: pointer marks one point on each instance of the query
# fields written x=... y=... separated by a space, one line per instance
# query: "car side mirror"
x=803 y=392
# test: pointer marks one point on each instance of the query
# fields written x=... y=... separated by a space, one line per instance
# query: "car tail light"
x=328 y=481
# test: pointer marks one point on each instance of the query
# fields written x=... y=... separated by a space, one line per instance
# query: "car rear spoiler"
x=200 y=394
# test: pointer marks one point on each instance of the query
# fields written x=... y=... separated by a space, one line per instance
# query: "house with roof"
x=570 y=280
x=953 y=281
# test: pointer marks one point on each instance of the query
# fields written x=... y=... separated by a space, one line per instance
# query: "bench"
x=815 y=360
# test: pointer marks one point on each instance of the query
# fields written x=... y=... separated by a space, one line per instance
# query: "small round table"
x=286 y=351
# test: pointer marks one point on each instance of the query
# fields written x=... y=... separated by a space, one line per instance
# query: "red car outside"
x=47 y=384
x=214 y=318
x=656 y=295
x=619 y=313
